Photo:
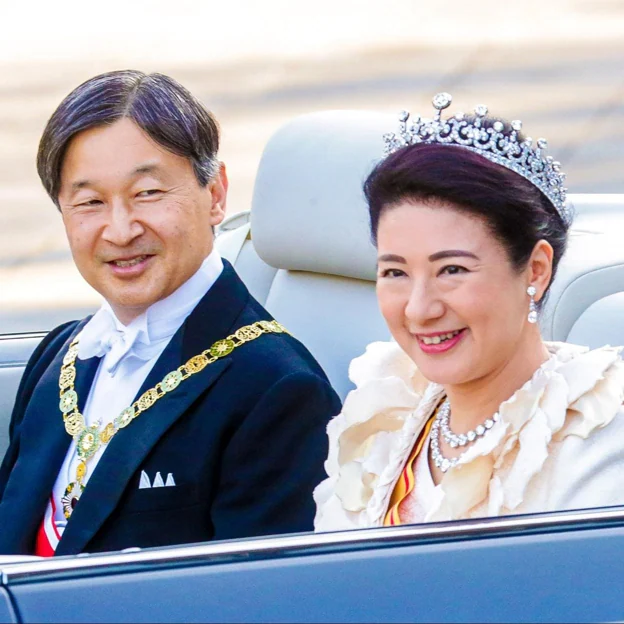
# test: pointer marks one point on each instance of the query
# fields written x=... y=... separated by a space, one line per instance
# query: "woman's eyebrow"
x=451 y=253
x=392 y=258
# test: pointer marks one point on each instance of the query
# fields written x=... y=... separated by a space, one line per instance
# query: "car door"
x=548 y=567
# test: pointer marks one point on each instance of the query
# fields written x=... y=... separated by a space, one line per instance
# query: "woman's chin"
x=446 y=375
x=447 y=380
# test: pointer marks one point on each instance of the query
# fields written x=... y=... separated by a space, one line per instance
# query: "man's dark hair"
x=167 y=112
x=516 y=211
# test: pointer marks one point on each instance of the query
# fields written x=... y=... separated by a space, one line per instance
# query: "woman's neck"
x=474 y=401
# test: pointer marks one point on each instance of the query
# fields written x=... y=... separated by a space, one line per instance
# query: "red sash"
x=48 y=536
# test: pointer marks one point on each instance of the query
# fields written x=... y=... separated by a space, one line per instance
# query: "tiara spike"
x=441 y=101
x=490 y=141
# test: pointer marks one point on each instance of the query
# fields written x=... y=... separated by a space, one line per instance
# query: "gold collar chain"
x=90 y=439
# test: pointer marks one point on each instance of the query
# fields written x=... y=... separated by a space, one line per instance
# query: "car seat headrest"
x=308 y=210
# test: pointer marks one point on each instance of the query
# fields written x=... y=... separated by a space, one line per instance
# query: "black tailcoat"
x=244 y=440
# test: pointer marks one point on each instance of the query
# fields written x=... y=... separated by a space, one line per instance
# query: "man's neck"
x=126 y=315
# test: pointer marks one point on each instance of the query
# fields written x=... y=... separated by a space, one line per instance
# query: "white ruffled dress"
x=559 y=443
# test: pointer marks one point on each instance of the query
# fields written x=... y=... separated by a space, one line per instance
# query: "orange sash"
x=406 y=482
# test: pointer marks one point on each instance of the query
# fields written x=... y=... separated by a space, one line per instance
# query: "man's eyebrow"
x=452 y=253
x=146 y=168
x=140 y=170
x=80 y=184
x=392 y=258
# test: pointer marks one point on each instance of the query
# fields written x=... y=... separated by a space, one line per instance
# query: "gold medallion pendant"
x=71 y=497
x=74 y=490
x=90 y=439
x=87 y=443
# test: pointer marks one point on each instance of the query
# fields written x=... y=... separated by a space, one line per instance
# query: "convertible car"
x=304 y=251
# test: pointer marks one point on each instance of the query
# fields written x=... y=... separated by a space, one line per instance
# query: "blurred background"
x=556 y=64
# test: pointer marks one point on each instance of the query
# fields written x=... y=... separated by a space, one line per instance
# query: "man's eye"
x=149 y=193
x=90 y=202
x=453 y=269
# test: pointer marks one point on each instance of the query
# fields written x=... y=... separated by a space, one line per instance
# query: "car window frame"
x=282 y=546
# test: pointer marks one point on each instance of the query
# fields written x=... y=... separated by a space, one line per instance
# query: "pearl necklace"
x=441 y=428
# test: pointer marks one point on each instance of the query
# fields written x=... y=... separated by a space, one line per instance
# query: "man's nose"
x=424 y=304
x=122 y=227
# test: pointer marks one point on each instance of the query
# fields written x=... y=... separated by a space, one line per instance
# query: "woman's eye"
x=453 y=269
x=392 y=273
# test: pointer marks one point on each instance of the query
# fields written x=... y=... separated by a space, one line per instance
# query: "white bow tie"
x=104 y=336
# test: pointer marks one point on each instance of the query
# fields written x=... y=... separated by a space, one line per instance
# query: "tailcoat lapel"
x=215 y=316
x=213 y=319
x=44 y=444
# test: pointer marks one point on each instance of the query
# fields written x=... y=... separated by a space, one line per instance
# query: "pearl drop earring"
x=532 y=318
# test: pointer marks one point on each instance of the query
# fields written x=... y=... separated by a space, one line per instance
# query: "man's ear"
x=218 y=187
x=540 y=267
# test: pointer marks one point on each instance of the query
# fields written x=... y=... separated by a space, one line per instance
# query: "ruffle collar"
x=574 y=392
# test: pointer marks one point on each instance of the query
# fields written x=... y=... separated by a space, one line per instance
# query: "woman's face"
x=449 y=293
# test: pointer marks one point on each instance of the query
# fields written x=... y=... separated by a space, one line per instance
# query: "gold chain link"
x=90 y=439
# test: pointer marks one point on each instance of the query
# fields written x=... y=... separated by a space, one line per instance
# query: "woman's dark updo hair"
x=517 y=212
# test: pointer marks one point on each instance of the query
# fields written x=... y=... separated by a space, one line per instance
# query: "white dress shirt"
x=128 y=354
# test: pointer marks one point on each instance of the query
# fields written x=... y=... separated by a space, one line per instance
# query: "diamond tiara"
x=507 y=149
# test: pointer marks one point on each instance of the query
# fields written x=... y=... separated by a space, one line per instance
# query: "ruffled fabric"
x=574 y=393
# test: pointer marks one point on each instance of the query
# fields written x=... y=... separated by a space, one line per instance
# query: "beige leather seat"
x=309 y=221
x=586 y=303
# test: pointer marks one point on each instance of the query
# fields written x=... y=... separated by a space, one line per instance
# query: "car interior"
x=305 y=253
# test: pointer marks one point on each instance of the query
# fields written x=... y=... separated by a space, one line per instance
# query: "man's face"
x=138 y=222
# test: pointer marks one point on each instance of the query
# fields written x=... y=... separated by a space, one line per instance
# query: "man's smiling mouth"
x=130 y=262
